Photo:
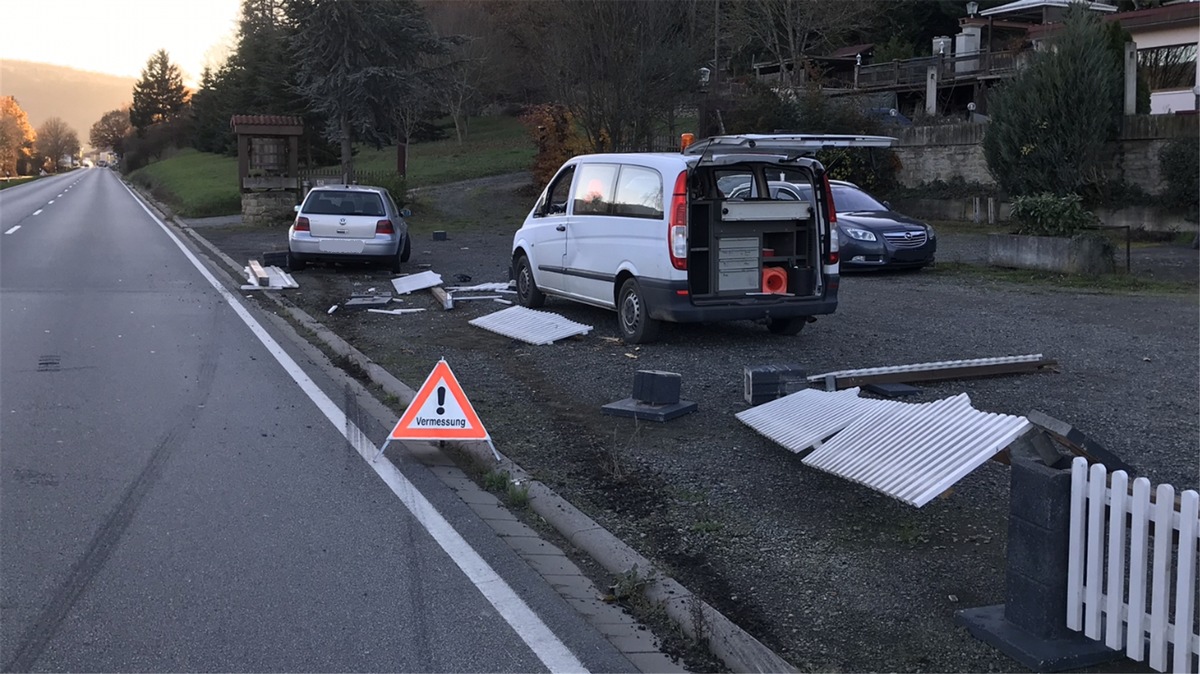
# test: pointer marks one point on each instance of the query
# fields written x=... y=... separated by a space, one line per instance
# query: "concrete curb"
x=740 y=651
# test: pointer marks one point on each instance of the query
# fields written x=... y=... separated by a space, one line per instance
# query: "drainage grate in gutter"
x=806 y=418
x=527 y=325
x=50 y=363
x=913 y=452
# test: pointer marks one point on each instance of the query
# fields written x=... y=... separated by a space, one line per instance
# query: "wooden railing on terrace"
x=911 y=72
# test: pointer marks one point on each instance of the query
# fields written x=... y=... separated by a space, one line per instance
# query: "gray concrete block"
x=629 y=407
x=656 y=388
x=1036 y=552
x=1074 y=651
x=1039 y=494
x=1035 y=607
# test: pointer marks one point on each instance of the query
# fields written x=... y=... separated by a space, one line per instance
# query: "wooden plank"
x=1160 y=588
x=1185 y=585
x=1075 y=541
x=960 y=372
x=1097 y=488
x=260 y=275
x=440 y=294
x=1139 y=549
x=1115 y=621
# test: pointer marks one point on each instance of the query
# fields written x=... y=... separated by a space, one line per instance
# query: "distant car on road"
x=348 y=223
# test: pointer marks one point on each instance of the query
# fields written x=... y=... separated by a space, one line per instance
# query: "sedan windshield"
x=849 y=199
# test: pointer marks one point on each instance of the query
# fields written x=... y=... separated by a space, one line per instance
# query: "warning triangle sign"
x=440 y=411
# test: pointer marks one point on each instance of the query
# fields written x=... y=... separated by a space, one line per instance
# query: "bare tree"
x=55 y=140
x=788 y=30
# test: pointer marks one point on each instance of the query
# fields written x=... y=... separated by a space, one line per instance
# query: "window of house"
x=1171 y=67
x=639 y=193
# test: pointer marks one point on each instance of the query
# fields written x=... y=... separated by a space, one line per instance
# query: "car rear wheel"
x=294 y=263
x=786 y=326
x=528 y=293
x=406 y=252
x=632 y=317
x=396 y=260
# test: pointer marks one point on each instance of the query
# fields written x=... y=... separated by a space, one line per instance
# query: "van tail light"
x=301 y=225
x=384 y=227
x=677 y=228
x=833 y=235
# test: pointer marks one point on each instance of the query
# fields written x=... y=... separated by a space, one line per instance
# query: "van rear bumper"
x=665 y=303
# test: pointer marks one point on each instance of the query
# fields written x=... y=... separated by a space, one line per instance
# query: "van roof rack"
x=782 y=144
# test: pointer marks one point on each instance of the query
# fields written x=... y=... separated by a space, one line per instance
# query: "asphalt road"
x=182 y=489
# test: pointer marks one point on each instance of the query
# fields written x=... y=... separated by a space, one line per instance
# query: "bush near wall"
x=1180 y=164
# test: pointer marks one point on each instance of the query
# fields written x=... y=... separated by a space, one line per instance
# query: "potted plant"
x=1054 y=233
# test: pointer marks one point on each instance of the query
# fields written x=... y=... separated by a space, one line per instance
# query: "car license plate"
x=353 y=246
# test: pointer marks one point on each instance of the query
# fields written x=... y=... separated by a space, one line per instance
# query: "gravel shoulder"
x=830 y=575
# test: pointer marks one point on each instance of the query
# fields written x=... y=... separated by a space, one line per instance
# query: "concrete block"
x=1078 y=441
x=630 y=407
x=1075 y=651
x=1035 y=607
x=656 y=388
x=763 y=383
x=1036 y=552
x=1039 y=495
x=440 y=235
x=892 y=390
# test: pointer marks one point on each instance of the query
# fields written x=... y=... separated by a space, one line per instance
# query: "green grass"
x=13 y=182
x=1106 y=283
x=200 y=184
x=194 y=184
x=493 y=146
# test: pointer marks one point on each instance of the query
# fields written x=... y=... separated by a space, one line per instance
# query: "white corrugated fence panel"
x=921 y=367
x=915 y=452
x=527 y=325
x=805 y=418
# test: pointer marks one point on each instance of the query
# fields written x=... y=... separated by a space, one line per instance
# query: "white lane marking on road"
x=13 y=229
x=553 y=653
x=60 y=195
x=37 y=211
x=49 y=202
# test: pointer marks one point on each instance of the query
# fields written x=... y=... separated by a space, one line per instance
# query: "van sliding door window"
x=639 y=193
x=594 y=189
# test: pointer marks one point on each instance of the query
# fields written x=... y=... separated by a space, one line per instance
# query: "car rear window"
x=344 y=203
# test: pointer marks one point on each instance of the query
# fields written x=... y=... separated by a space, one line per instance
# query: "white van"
x=712 y=233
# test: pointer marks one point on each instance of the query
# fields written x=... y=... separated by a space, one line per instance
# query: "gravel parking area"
x=830 y=575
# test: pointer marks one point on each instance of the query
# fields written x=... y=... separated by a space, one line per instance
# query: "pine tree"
x=159 y=95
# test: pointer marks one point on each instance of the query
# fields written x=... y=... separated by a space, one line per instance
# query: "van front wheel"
x=528 y=294
x=632 y=317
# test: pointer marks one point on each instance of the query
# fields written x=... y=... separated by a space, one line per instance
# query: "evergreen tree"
x=159 y=95
x=357 y=59
x=1051 y=122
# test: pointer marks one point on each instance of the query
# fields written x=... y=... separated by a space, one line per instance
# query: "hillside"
x=79 y=97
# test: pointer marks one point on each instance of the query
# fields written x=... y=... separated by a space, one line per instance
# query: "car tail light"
x=301 y=225
x=677 y=229
x=832 y=210
x=384 y=227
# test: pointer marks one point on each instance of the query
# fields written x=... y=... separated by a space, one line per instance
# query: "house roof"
x=853 y=50
x=1182 y=14
x=1026 y=6
x=264 y=120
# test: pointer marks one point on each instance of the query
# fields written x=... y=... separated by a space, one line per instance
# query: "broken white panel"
x=914 y=452
x=421 y=281
x=459 y=298
x=277 y=279
x=804 y=419
x=492 y=287
x=527 y=325
x=923 y=367
x=395 y=312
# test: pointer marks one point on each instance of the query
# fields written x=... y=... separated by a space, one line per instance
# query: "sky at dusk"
x=118 y=36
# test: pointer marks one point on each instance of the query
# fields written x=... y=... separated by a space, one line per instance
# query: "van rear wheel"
x=632 y=317
x=786 y=326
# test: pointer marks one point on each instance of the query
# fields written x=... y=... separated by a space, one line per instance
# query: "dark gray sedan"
x=872 y=236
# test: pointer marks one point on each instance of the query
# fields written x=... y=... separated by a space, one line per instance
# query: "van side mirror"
x=296 y=208
x=887 y=205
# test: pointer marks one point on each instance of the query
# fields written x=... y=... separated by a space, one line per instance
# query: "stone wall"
x=268 y=208
x=929 y=153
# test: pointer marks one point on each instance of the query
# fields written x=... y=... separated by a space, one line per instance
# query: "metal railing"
x=912 y=72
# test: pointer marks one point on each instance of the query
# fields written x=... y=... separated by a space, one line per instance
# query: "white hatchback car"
x=344 y=223
x=688 y=237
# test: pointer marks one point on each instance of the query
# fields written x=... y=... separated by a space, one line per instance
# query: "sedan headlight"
x=860 y=234
x=930 y=233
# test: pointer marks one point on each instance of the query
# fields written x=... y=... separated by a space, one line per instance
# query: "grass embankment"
x=13 y=182
x=199 y=184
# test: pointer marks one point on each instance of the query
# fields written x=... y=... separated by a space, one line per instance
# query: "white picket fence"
x=1106 y=597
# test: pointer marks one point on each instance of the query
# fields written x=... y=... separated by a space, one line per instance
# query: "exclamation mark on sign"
x=441 y=400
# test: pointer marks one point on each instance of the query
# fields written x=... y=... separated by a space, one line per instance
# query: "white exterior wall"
x=1171 y=100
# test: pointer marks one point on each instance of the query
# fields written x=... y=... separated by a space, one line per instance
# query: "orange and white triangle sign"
x=440 y=411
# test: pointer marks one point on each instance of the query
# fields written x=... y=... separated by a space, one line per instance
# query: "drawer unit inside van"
x=738 y=265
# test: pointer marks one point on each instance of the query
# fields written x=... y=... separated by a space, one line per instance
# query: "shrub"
x=1049 y=215
x=1179 y=161
x=553 y=130
x=396 y=185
